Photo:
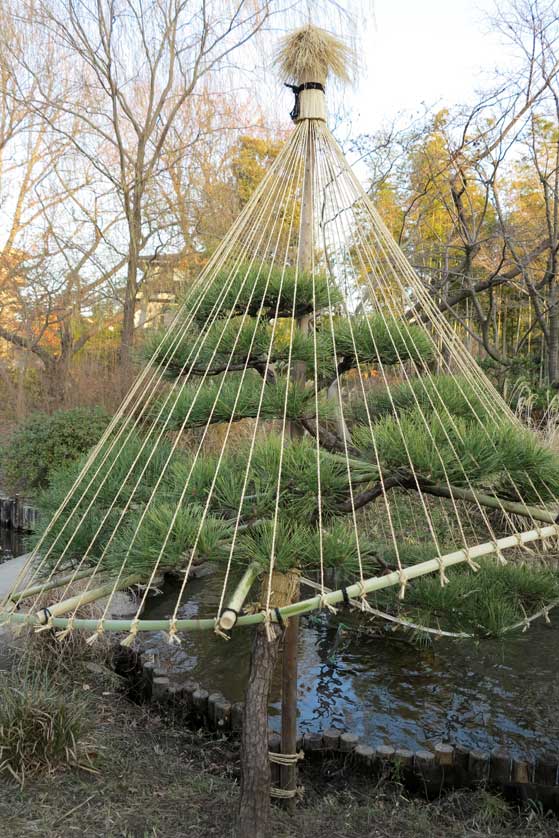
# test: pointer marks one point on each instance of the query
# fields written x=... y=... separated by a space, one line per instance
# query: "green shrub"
x=40 y=727
x=45 y=442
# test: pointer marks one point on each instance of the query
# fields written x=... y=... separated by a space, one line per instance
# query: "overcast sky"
x=433 y=51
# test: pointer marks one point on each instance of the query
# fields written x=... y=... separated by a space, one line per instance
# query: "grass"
x=156 y=778
x=41 y=727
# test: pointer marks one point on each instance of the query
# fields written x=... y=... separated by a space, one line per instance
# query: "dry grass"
x=312 y=54
x=156 y=778
x=41 y=727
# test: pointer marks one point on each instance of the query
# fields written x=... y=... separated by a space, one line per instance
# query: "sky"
x=432 y=51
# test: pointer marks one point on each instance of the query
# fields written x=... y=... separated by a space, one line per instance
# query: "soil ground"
x=152 y=778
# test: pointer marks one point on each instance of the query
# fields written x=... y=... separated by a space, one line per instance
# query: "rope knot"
x=403 y=583
x=60 y=635
x=363 y=604
x=171 y=635
x=131 y=639
x=470 y=562
x=325 y=604
x=97 y=634
x=442 y=575
x=219 y=631
x=270 y=634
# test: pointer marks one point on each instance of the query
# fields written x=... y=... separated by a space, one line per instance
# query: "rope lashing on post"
x=286 y=760
x=297 y=90
x=287 y=794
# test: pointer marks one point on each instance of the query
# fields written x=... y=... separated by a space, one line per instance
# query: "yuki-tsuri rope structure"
x=309 y=409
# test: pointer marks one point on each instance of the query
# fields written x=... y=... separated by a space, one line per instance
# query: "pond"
x=495 y=693
x=11 y=544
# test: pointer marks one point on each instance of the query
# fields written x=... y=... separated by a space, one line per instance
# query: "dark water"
x=482 y=695
x=11 y=544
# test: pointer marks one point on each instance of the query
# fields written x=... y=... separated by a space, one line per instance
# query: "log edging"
x=444 y=766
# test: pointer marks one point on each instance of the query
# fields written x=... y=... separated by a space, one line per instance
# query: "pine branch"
x=328 y=440
x=397 y=480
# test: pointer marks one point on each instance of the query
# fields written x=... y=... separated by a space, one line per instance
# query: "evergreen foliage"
x=487 y=602
x=261 y=289
x=251 y=343
x=457 y=448
x=44 y=441
x=110 y=487
x=435 y=425
x=235 y=398
x=378 y=341
x=453 y=396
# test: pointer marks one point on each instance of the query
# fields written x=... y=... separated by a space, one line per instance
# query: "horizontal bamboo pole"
x=50 y=584
x=376 y=583
x=86 y=597
x=230 y=614
x=490 y=501
x=409 y=482
x=461 y=635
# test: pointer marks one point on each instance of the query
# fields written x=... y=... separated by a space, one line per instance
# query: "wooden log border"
x=444 y=767
x=16 y=514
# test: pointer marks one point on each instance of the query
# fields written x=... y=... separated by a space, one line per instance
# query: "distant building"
x=164 y=276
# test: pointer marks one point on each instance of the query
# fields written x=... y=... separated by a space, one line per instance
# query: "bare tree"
x=446 y=185
x=135 y=65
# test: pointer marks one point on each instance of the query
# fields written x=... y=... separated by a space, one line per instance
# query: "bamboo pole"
x=39 y=588
x=86 y=597
x=490 y=501
x=230 y=614
x=375 y=583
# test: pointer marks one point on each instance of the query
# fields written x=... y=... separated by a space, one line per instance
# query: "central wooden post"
x=254 y=808
x=291 y=638
x=289 y=705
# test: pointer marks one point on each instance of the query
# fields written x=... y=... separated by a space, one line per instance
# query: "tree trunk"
x=553 y=343
x=128 y=312
x=289 y=707
x=134 y=213
x=254 y=808
x=55 y=383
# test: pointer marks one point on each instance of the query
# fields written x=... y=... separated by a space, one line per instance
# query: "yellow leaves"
x=250 y=160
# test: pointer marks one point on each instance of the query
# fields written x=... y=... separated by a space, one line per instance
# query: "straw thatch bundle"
x=313 y=54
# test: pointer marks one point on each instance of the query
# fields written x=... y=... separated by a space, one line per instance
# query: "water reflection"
x=480 y=695
x=11 y=544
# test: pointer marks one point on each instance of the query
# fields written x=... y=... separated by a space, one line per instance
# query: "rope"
x=287 y=794
x=310 y=216
x=286 y=759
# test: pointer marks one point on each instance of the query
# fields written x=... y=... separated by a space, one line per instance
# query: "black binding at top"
x=297 y=89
